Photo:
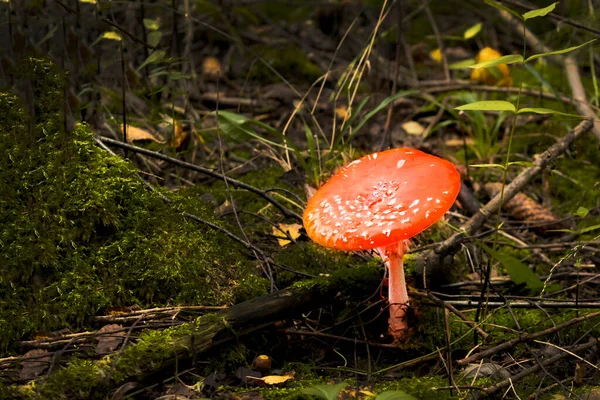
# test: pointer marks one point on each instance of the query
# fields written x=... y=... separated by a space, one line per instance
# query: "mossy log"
x=158 y=351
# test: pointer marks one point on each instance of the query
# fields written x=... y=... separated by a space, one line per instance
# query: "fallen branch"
x=233 y=182
x=431 y=261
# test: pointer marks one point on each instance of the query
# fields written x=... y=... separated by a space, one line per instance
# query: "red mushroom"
x=379 y=202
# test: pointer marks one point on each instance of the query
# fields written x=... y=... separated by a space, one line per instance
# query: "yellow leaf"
x=179 y=135
x=271 y=380
x=292 y=229
x=502 y=75
x=436 y=55
x=135 y=133
x=111 y=36
x=341 y=111
x=413 y=128
x=211 y=66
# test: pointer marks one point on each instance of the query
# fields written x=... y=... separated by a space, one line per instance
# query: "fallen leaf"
x=292 y=229
x=458 y=142
x=436 y=55
x=413 y=128
x=178 y=134
x=110 y=340
x=272 y=380
x=135 y=133
x=38 y=363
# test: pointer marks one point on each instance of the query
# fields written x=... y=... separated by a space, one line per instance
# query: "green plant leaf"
x=155 y=57
x=327 y=392
x=582 y=212
x=395 y=395
x=491 y=105
x=154 y=37
x=462 y=64
x=521 y=163
x=371 y=113
x=503 y=8
x=487 y=166
x=553 y=53
x=152 y=24
x=518 y=272
x=472 y=31
x=239 y=127
x=542 y=110
x=540 y=12
x=510 y=59
x=109 y=35
x=589 y=229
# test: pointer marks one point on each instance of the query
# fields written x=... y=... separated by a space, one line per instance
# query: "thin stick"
x=513 y=342
x=235 y=183
x=432 y=258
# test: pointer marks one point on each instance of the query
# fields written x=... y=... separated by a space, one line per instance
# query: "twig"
x=114 y=25
x=235 y=183
x=430 y=260
x=341 y=338
x=532 y=336
x=439 y=40
x=450 y=307
x=531 y=370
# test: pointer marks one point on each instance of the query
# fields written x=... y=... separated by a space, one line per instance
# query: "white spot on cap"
x=431 y=165
x=414 y=203
x=392 y=202
x=427 y=215
x=387 y=232
x=416 y=210
x=445 y=192
x=437 y=201
x=400 y=163
x=405 y=220
x=429 y=198
x=374 y=156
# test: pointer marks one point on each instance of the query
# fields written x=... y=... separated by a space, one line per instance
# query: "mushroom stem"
x=398 y=294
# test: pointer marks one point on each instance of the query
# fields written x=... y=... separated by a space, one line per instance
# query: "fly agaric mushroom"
x=379 y=202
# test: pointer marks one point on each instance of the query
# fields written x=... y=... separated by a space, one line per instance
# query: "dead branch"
x=525 y=338
x=432 y=260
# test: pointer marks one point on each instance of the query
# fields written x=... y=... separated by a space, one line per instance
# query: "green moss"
x=81 y=232
x=79 y=380
x=421 y=387
x=250 y=287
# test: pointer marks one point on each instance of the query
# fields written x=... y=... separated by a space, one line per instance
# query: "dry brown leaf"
x=38 y=363
x=179 y=135
x=135 y=133
x=292 y=229
x=459 y=142
x=111 y=339
x=413 y=128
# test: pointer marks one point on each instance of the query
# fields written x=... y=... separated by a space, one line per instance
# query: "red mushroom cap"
x=381 y=199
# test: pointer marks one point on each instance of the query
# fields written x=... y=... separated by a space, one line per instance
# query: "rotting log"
x=146 y=357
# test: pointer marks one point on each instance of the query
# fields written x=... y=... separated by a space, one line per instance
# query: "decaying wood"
x=430 y=262
x=231 y=323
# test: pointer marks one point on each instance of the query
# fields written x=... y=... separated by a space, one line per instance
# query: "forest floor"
x=159 y=156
